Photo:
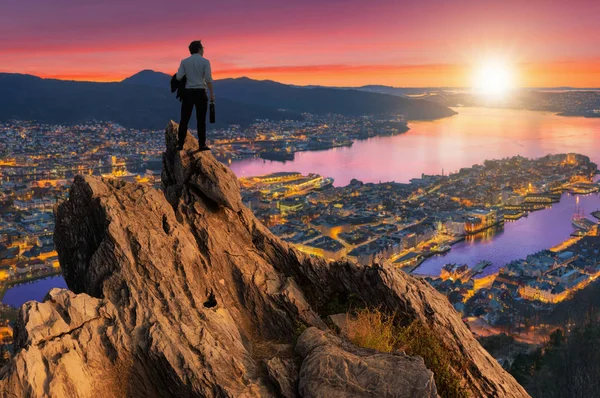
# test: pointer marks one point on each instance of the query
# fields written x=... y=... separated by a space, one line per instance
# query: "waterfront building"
x=543 y=291
x=541 y=198
x=453 y=271
x=456 y=226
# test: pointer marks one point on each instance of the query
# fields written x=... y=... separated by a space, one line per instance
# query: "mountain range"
x=145 y=101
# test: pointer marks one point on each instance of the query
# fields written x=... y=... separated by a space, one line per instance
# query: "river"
x=472 y=136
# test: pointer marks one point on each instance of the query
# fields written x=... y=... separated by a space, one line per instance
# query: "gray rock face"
x=184 y=293
x=335 y=368
x=284 y=373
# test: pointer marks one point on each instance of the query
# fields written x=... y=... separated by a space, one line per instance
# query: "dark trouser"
x=191 y=98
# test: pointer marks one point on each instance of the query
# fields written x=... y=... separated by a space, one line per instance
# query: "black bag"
x=212 y=117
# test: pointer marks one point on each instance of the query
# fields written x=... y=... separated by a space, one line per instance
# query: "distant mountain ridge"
x=391 y=90
x=312 y=99
x=148 y=77
x=145 y=101
x=27 y=97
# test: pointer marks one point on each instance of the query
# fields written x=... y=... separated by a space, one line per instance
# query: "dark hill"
x=150 y=78
x=29 y=97
x=144 y=101
x=320 y=100
x=367 y=100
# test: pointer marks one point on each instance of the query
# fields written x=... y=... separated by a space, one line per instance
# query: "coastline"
x=283 y=156
x=7 y=285
x=573 y=238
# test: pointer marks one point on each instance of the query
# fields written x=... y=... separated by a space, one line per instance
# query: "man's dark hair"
x=195 y=46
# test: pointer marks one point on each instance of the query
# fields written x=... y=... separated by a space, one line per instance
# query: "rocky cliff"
x=182 y=292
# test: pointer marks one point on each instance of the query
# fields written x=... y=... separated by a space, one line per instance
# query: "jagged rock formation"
x=184 y=293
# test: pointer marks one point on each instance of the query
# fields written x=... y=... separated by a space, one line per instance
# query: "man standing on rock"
x=196 y=70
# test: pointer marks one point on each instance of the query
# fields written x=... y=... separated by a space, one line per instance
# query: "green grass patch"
x=372 y=328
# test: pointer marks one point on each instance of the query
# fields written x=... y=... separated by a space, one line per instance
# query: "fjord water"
x=35 y=290
x=465 y=139
x=468 y=138
x=540 y=230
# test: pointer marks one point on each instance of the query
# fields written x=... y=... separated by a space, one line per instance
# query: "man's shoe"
x=203 y=148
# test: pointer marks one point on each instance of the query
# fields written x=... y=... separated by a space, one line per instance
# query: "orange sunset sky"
x=401 y=43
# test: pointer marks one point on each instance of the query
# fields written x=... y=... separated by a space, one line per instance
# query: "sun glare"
x=493 y=78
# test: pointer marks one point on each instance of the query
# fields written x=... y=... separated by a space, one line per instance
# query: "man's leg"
x=187 y=105
x=201 y=107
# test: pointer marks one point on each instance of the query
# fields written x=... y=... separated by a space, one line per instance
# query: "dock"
x=477 y=269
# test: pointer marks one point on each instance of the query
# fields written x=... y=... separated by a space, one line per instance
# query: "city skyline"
x=348 y=43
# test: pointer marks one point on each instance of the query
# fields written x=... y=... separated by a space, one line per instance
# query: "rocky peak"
x=182 y=292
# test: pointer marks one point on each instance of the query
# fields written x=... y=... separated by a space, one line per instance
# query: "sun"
x=493 y=78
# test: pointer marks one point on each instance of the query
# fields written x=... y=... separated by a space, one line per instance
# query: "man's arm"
x=209 y=80
x=180 y=71
x=210 y=90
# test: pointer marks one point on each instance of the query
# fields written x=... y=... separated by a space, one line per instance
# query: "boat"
x=280 y=156
x=444 y=248
x=582 y=223
x=326 y=183
x=579 y=221
x=477 y=269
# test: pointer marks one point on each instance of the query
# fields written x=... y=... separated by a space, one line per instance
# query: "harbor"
x=540 y=230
